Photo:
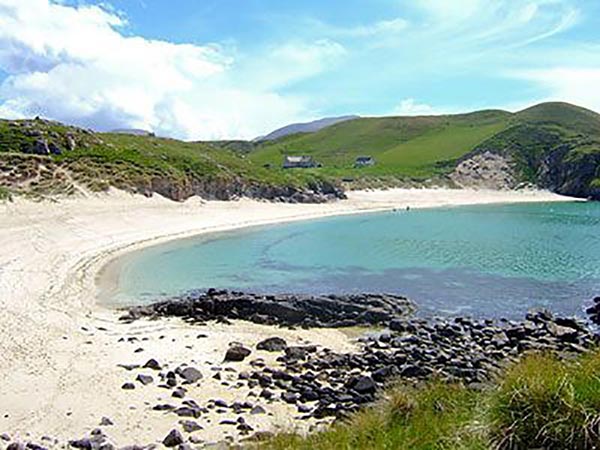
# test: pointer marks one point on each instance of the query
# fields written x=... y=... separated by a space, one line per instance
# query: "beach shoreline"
x=60 y=348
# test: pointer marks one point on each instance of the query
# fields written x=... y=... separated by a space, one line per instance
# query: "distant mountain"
x=307 y=127
x=133 y=131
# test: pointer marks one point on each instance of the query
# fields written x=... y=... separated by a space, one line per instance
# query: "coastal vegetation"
x=540 y=402
x=554 y=146
x=45 y=157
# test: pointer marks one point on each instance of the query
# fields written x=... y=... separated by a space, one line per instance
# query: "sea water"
x=494 y=260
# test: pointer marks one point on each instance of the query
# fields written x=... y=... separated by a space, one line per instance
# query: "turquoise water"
x=498 y=260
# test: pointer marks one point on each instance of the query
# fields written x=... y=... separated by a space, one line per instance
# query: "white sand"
x=59 y=350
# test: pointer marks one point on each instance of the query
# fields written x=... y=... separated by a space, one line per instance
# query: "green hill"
x=405 y=146
x=553 y=145
x=42 y=157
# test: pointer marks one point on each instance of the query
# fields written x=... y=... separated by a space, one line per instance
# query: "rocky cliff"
x=556 y=149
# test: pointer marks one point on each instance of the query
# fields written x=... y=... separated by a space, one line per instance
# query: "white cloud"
x=411 y=107
x=481 y=23
x=382 y=28
x=75 y=64
x=569 y=84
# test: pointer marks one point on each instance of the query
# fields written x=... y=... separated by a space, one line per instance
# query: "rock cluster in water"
x=284 y=309
x=594 y=311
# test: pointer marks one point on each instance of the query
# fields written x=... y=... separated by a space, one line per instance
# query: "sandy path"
x=59 y=350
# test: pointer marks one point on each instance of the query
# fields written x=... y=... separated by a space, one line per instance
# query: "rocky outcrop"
x=594 y=311
x=571 y=172
x=486 y=170
x=227 y=189
x=288 y=310
x=534 y=153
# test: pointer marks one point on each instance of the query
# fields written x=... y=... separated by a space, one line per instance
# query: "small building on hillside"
x=364 y=161
x=299 y=162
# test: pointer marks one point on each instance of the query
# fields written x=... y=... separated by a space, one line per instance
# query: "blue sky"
x=200 y=69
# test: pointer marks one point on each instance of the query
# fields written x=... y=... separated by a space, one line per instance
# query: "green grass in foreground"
x=5 y=194
x=541 y=402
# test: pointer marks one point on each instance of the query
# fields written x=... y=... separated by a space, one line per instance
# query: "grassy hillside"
x=403 y=146
x=38 y=156
x=554 y=145
x=541 y=402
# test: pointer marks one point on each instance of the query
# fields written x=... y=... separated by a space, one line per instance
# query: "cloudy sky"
x=213 y=69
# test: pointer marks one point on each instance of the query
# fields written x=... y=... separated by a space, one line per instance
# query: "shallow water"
x=497 y=260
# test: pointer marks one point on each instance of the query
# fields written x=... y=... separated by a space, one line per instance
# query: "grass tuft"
x=540 y=402
x=5 y=194
x=544 y=402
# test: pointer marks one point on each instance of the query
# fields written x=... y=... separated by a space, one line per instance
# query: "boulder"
x=363 y=385
x=173 y=439
x=189 y=374
x=145 y=379
x=237 y=353
x=152 y=364
x=273 y=344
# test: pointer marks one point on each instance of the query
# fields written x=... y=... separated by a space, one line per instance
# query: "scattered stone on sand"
x=152 y=364
x=145 y=379
x=179 y=393
x=173 y=439
x=273 y=344
x=106 y=422
x=236 y=353
x=189 y=426
x=189 y=374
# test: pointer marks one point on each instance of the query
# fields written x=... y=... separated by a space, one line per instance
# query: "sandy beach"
x=60 y=350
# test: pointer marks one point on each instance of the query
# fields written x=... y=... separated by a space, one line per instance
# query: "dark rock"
x=295 y=352
x=179 y=393
x=189 y=426
x=163 y=407
x=34 y=446
x=129 y=366
x=221 y=404
x=289 y=397
x=363 y=385
x=237 y=353
x=265 y=393
x=273 y=344
x=106 y=422
x=173 y=439
x=84 y=444
x=244 y=428
x=128 y=386
x=186 y=411
x=258 y=410
x=16 y=446
x=190 y=375
x=288 y=310
x=228 y=422
x=145 y=379
x=152 y=364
